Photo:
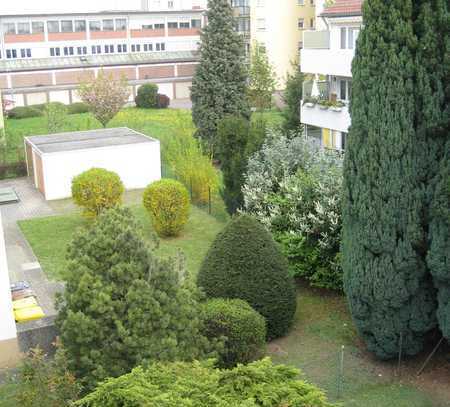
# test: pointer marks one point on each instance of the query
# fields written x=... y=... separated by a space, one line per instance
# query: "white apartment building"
x=43 y=57
x=326 y=58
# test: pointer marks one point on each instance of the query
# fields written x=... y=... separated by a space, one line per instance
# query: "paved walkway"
x=22 y=263
x=181 y=104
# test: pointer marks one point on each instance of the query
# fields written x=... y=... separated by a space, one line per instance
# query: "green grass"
x=322 y=326
x=49 y=237
x=157 y=123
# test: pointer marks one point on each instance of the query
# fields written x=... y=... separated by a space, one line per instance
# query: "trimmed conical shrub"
x=244 y=262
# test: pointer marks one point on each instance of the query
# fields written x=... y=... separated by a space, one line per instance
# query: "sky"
x=45 y=6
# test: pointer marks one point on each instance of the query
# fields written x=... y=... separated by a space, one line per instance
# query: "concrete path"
x=22 y=263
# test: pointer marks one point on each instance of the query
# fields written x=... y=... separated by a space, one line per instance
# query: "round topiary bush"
x=244 y=262
x=147 y=96
x=97 y=189
x=162 y=101
x=167 y=202
x=243 y=328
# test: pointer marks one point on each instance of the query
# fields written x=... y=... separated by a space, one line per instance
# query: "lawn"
x=322 y=326
x=157 y=123
x=49 y=236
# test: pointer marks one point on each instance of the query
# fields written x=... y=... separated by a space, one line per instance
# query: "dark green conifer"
x=220 y=81
x=386 y=278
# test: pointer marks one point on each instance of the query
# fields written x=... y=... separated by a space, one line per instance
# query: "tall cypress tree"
x=219 y=83
x=384 y=225
x=433 y=28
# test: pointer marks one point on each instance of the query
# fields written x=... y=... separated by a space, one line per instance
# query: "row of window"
x=349 y=35
x=106 y=49
x=18 y=53
x=68 y=26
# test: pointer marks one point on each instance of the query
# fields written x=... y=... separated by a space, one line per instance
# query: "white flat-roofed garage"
x=54 y=160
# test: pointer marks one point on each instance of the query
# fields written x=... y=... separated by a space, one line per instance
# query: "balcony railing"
x=241 y=11
x=316 y=39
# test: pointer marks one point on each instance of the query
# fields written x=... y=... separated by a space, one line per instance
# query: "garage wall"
x=137 y=165
x=9 y=349
x=183 y=90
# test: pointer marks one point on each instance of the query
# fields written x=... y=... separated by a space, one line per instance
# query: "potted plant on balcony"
x=309 y=101
x=337 y=106
x=324 y=104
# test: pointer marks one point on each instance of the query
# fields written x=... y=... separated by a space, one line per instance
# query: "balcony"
x=323 y=109
x=321 y=55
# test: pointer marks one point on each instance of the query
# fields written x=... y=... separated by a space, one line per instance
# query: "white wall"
x=337 y=62
x=7 y=323
x=137 y=165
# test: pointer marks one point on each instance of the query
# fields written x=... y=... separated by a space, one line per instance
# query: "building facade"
x=43 y=57
x=278 y=26
x=326 y=58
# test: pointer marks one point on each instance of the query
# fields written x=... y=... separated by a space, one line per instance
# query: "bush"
x=188 y=162
x=244 y=262
x=147 y=96
x=96 y=190
x=56 y=115
x=162 y=101
x=167 y=202
x=77 y=108
x=244 y=330
x=294 y=188
x=25 y=112
x=199 y=384
x=46 y=382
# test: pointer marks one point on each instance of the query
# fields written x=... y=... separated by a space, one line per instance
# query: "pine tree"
x=122 y=306
x=219 y=83
x=262 y=79
x=386 y=278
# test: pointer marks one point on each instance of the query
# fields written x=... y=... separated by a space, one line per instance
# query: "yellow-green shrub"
x=167 y=202
x=188 y=163
x=97 y=189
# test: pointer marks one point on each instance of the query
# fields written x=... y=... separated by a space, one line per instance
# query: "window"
x=353 y=34
x=37 y=27
x=96 y=49
x=159 y=26
x=108 y=25
x=343 y=140
x=261 y=24
x=148 y=47
x=55 y=52
x=160 y=46
x=109 y=49
x=184 y=25
x=311 y=23
x=25 y=53
x=122 y=48
x=11 y=53
x=147 y=26
x=343 y=37
x=301 y=2
x=301 y=23
x=66 y=26
x=163 y=46
x=94 y=25
x=136 y=47
x=80 y=25
x=172 y=25
x=196 y=23
x=68 y=51
x=121 y=24
x=53 y=26
x=81 y=50
x=170 y=4
x=23 y=28
x=10 y=28
x=343 y=89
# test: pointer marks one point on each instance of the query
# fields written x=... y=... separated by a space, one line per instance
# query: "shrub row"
x=24 y=112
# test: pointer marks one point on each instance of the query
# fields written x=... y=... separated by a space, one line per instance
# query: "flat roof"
x=89 y=61
x=85 y=140
x=105 y=12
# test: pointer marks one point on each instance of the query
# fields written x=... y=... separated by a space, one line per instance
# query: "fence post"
x=209 y=200
x=400 y=349
x=340 y=373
